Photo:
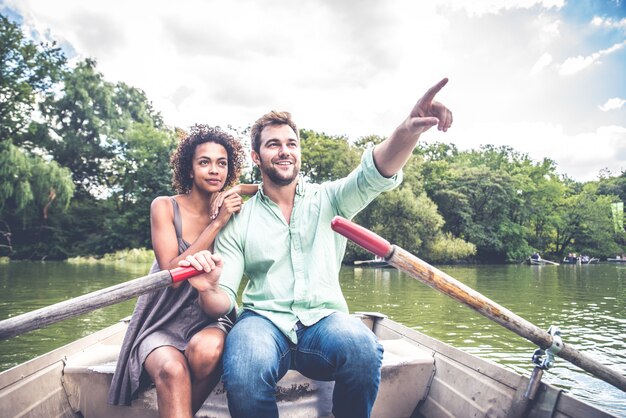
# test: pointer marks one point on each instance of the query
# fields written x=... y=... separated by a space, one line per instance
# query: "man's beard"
x=279 y=178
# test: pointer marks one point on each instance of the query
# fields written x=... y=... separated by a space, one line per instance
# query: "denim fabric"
x=339 y=347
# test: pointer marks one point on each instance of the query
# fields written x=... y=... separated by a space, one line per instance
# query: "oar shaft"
x=73 y=307
x=446 y=284
x=440 y=281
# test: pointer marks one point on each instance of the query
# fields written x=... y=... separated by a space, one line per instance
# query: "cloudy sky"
x=546 y=77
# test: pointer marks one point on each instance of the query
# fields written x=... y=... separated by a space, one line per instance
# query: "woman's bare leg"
x=204 y=353
x=169 y=371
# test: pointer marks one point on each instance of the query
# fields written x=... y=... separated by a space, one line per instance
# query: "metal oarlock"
x=538 y=359
x=543 y=360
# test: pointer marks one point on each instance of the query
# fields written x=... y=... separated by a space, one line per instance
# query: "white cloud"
x=581 y=156
x=608 y=22
x=481 y=7
x=612 y=104
x=541 y=63
x=576 y=64
x=350 y=67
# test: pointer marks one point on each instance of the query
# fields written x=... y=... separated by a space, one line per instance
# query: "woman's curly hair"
x=181 y=160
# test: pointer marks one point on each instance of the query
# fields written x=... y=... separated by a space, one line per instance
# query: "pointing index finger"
x=432 y=92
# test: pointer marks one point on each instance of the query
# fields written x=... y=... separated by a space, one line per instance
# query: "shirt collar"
x=299 y=188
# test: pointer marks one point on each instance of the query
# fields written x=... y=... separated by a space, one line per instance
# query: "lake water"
x=587 y=302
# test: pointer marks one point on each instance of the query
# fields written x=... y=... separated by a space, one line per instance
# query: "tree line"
x=81 y=159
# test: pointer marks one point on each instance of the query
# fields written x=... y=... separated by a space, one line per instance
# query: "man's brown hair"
x=271 y=118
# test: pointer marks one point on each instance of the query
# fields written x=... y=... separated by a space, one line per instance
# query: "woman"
x=170 y=340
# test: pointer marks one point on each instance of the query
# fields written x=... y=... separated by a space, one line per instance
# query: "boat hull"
x=421 y=376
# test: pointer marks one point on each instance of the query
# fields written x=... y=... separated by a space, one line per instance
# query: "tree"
x=586 y=224
x=326 y=157
x=27 y=73
x=88 y=122
x=140 y=172
x=31 y=186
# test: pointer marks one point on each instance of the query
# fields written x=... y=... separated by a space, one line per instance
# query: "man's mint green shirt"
x=293 y=269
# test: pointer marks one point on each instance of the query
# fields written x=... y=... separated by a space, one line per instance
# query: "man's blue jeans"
x=339 y=347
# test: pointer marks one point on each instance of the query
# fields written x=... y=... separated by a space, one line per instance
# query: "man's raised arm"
x=393 y=153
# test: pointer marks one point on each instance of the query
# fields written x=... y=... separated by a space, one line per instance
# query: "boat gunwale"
x=516 y=382
x=24 y=370
x=385 y=328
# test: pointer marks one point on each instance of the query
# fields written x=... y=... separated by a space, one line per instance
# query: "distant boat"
x=616 y=260
x=581 y=260
x=540 y=262
x=377 y=262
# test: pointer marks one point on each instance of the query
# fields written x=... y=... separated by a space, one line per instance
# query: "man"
x=294 y=314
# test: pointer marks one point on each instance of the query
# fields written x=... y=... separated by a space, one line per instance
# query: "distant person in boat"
x=170 y=341
x=536 y=256
x=294 y=314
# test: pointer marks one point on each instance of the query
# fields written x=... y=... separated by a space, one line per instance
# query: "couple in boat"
x=293 y=316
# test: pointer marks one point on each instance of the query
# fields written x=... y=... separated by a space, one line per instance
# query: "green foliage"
x=27 y=71
x=402 y=218
x=135 y=255
x=586 y=225
x=326 y=157
x=79 y=177
x=509 y=205
x=93 y=117
x=613 y=186
x=448 y=249
x=475 y=201
x=28 y=182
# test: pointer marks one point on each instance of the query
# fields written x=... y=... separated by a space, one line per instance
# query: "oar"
x=73 y=307
x=440 y=281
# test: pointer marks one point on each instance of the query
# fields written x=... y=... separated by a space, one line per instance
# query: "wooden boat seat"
x=406 y=376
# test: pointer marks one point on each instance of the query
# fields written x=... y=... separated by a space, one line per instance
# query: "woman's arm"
x=163 y=233
x=240 y=189
x=164 y=242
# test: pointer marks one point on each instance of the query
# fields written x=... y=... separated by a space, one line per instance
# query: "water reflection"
x=26 y=286
x=586 y=302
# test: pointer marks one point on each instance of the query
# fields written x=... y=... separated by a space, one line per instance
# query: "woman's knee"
x=172 y=371
x=205 y=350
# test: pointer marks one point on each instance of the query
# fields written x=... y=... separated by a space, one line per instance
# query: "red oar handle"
x=183 y=273
x=363 y=237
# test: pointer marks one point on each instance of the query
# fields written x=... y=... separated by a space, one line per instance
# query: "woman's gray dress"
x=161 y=318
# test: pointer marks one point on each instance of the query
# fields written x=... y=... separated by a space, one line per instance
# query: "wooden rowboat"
x=377 y=262
x=421 y=377
x=540 y=262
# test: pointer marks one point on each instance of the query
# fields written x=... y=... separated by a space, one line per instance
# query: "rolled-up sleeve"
x=361 y=186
